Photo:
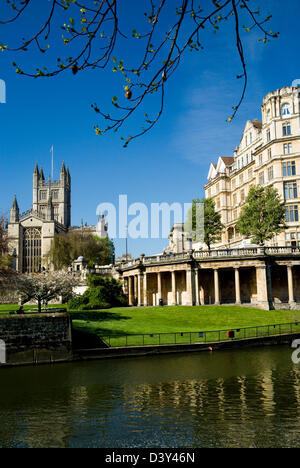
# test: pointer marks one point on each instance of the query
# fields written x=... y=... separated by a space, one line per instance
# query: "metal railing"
x=198 y=337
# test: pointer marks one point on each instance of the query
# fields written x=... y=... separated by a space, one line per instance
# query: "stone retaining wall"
x=36 y=338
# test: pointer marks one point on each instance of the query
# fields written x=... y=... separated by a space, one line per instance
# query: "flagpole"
x=52 y=161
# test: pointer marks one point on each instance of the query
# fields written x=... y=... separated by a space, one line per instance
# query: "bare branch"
x=92 y=36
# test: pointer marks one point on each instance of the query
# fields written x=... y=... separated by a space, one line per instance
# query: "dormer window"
x=285 y=110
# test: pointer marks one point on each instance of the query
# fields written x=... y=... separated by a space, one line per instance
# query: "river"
x=233 y=398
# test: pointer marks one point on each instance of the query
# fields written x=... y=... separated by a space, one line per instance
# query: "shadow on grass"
x=85 y=340
x=97 y=316
x=90 y=337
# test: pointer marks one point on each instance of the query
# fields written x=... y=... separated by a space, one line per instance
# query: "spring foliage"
x=102 y=293
x=263 y=215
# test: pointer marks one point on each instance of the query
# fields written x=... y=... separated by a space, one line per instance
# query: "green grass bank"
x=139 y=320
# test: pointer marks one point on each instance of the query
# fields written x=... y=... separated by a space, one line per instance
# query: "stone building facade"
x=262 y=277
x=269 y=155
x=31 y=233
x=236 y=271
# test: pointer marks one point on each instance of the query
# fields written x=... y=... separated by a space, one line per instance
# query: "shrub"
x=102 y=293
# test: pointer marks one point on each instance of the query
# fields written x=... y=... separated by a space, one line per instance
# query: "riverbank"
x=142 y=351
x=124 y=332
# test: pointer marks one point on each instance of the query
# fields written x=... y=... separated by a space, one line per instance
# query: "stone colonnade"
x=258 y=283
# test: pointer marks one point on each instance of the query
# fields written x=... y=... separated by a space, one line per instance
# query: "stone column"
x=189 y=287
x=145 y=285
x=217 y=288
x=130 y=295
x=159 y=286
x=135 y=289
x=197 y=286
x=174 y=299
x=262 y=287
x=290 y=284
x=202 y=296
x=139 y=289
x=237 y=286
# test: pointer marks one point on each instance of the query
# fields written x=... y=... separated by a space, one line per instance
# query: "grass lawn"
x=150 y=320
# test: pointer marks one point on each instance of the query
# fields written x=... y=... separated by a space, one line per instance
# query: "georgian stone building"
x=31 y=233
x=236 y=271
x=268 y=154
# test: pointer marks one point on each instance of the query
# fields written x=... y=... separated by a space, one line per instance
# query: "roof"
x=228 y=160
x=257 y=124
x=80 y=259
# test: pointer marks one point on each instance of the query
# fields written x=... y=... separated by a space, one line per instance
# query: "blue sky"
x=171 y=163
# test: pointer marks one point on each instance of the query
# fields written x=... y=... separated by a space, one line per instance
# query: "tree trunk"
x=39 y=305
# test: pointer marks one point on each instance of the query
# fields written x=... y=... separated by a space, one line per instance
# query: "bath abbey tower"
x=31 y=233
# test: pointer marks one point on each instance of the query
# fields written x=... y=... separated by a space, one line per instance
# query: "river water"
x=237 y=398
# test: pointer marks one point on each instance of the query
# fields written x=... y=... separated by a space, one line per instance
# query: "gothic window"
x=32 y=250
x=43 y=195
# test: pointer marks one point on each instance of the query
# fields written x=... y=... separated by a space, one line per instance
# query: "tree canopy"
x=7 y=274
x=68 y=247
x=93 y=34
x=102 y=293
x=213 y=226
x=45 y=287
x=263 y=215
x=203 y=222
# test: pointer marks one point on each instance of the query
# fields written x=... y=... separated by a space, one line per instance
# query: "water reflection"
x=247 y=398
